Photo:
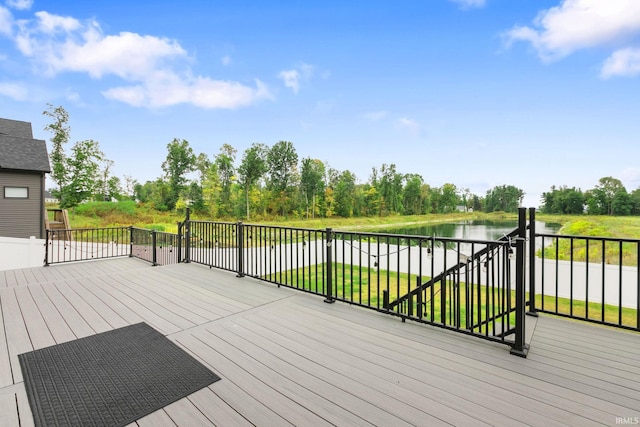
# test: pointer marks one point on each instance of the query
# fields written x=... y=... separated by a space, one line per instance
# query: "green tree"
x=193 y=193
x=412 y=195
x=389 y=186
x=563 y=200
x=202 y=165
x=466 y=198
x=600 y=199
x=61 y=133
x=224 y=162
x=449 y=199
x=506 y=198
x=344 y=192
x=622 y=203
x=312 y=177
x=129 y=186
x=251 y=170
x=282 y=160
x=371 y=200
x=83 y=166
x=108 y=186
x=477 y=203
x=180 y=161
x=635 y=201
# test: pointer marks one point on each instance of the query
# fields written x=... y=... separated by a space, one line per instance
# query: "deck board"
x=88 y=313
x=484 y=364
x=425 y=380
x=334 y=385
x=18 y=340
x=216 y=409
x=72 y=317
x=446 y=388
x=37 y=328
x=287 y=358
x=6 y=376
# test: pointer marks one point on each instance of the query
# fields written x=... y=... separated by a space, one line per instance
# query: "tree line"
x=270 y=181
x=608 y=197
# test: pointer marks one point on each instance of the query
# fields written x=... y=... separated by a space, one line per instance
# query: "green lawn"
x=448 y=304
x=460 y=306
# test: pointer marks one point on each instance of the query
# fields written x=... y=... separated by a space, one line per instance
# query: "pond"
x=472 y=230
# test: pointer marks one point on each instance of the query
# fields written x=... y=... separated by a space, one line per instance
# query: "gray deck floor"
x=287 y=358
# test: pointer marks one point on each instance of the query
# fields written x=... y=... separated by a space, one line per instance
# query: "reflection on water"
x=472 y=230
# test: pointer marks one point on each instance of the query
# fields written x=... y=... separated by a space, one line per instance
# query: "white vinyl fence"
x=21 y=253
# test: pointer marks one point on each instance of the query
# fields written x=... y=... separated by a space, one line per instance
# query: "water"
x=472 y=230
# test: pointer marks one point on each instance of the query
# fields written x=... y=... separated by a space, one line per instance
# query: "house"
x=23 y=164
x=50 y=198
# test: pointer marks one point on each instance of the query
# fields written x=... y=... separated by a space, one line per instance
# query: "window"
x=16 y=192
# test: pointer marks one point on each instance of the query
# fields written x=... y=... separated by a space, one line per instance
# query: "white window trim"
x=16 y=192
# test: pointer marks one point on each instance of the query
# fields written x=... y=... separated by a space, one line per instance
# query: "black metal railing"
x=596 y=279
x=156 y=247
x=214 y=244
x=86 y=244
x=471 y=286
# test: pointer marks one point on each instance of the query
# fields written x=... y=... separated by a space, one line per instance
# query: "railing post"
x=179 y=242
x=532 y=263
x=520 y=348
x=46 y=248
x=240 y=249
x=329 y=291
x=153 y=248
x=130 y=241
x=187 y=236
x=419 y=298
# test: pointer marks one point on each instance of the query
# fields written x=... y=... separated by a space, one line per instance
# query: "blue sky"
x=477 y=93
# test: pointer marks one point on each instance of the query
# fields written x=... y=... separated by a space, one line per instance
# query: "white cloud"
x=470 y=4
x=409 y=125
x=6 y=22
x=578 y=24
x=20 y=4
x=51 y=24
x=623 y=62
x=292 y=78
x=83 y=48
x=15 y=91
x=153 y=68
x=167 y=89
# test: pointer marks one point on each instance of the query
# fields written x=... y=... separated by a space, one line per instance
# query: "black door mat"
x=109 y=379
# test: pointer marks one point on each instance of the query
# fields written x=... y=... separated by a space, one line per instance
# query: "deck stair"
x=58 y=220
x=405 y=302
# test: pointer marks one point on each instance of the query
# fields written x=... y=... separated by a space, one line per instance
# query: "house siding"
x=21 y=217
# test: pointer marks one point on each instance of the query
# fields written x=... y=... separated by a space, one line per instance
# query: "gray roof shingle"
x=15 y=128
x=18 y=149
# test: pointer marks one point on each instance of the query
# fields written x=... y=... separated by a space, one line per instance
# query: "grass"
x=121 y=214
x=365 y=287
x=612 y=314
x=614 y=227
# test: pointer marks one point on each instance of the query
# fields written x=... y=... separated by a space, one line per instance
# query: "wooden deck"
x=287 y=358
